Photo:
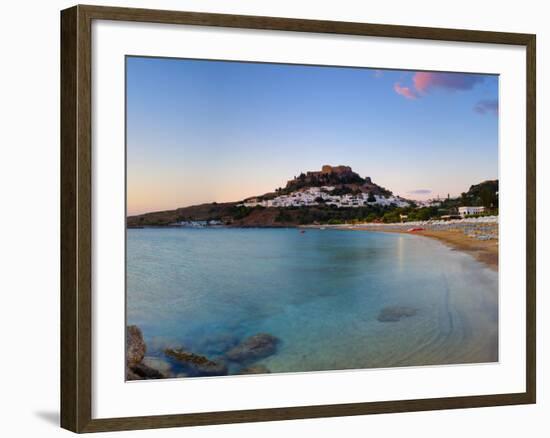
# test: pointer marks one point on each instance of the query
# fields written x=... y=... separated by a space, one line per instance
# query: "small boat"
x=302 y=231
x=412 y=230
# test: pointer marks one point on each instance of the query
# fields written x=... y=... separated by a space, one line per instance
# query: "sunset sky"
x=205 y=131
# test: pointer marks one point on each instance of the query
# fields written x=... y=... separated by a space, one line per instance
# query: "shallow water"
x=319 y=292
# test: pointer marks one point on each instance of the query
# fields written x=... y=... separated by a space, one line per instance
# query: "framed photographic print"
x=270 y=218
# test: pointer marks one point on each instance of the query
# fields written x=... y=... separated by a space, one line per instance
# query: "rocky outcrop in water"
x=201 y=364
x=395 y=313
x=135 y=353
x=254 y=347
x=135 y=345
x=180 y=362
x=130 y=375
x=145 y=372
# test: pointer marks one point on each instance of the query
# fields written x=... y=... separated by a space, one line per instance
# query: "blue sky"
x=204 y=131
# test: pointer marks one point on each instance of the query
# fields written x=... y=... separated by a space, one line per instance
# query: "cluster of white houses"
x=199 y=224
x=322 y=195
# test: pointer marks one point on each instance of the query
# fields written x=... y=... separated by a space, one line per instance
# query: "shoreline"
x=477 y=238
x=485 y=251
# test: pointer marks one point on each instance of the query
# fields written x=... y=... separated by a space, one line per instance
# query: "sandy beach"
x=485 y=251
x=475 y=236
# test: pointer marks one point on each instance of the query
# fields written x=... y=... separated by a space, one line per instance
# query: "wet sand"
x=485 y=251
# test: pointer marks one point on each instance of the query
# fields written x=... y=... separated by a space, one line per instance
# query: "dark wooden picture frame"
x=76 y=218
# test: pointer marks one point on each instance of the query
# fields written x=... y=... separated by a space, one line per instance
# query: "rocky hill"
x=315 y=196
x=202 y=212
x=483 y=194
x=335 y=176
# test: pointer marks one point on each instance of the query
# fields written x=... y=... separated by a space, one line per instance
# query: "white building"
x=465 y=211
x=317 y=195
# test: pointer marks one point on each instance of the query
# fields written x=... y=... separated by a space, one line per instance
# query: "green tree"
x=283 y=216
x=488 y=197
x=391 y=217
x=372 y=217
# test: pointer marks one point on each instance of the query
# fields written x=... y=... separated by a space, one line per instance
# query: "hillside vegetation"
x=377 y=204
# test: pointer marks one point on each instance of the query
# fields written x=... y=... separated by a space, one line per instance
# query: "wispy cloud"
x=405 y=91
x=487 y=106
x=424 y=82
x=419 y=192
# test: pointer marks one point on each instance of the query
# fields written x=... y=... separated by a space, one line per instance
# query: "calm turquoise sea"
x=319 y=292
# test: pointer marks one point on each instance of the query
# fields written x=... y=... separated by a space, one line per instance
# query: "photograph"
x=289 y=218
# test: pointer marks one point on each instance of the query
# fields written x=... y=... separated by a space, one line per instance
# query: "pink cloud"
x=405 y=91
x=424 y=81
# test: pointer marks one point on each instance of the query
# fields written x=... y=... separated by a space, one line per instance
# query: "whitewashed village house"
x=465 y=211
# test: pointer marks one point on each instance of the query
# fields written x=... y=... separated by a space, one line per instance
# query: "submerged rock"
x=217 y=344
x=201 y=364
x=158 y=364
x=395 y=313
x=146 y=372
x=254 y=347
x=130 y=375
x=135 y=345
x=255 y=369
